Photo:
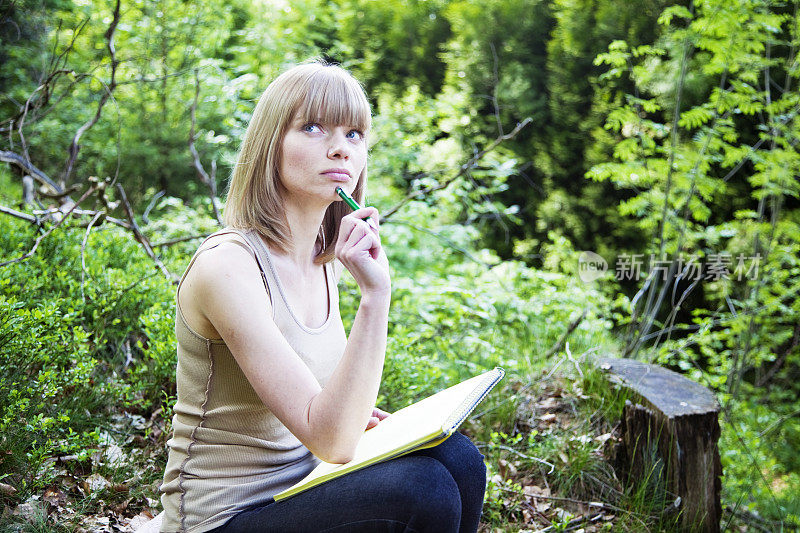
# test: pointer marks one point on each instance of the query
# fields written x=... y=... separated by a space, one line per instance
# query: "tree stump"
x=669 y=440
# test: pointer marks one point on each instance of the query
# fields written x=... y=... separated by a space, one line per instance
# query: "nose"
x=339 y=147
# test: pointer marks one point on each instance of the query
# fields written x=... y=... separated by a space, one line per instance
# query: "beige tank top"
x=228 y=451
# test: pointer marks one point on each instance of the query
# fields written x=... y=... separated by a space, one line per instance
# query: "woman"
x=268 y=382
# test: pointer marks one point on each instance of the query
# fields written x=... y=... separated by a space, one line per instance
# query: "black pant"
x=435 y=490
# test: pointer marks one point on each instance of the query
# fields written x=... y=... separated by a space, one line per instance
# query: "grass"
x=549 y=445
x=548 y=431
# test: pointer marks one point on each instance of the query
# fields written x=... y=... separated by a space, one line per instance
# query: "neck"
x=304 y=223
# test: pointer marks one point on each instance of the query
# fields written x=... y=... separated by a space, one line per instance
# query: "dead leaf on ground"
x=604 y=437
x=548 y=403
x=54 y=497
x=137 y=521
x=536 y=490
x=507 y=469
x=32 y=510
x=95 y=483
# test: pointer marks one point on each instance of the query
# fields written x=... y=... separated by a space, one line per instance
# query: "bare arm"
x=226 y=285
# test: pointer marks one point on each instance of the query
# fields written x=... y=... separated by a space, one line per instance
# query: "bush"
x=76 y=344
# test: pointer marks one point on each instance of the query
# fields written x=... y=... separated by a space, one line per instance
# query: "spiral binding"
x=474 y=399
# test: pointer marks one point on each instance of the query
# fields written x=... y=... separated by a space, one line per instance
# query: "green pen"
x=354 y=206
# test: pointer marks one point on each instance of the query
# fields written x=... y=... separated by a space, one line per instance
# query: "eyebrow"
x=300 y=119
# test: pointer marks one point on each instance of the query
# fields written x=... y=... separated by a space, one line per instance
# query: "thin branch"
x=178 y=240
x=652 y=310
x=140 y=237
x=56 y=70
x=495 y=102
x=85 y=213
x=528 y=457
x=44 y=235
x=755 y=466
x=676 y=306
x=27 y=167
x=738 y=365
x=156 y=79
x=47 y=104
x=778 y=422
x=687 y=49
x=448 y=242
x=75 y=146
x=151 y=205
x=208 y=181
x=752 y=520
x=61 y=59
x=560 y=342
x=83 y=251
x=779 y=363
x=470 y=163
x=571 y=524
x=14 y=213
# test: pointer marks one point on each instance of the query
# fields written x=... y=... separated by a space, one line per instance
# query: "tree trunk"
x=670 y=431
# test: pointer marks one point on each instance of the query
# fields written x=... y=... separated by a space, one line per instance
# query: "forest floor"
x=542 y=504
x=550 y=472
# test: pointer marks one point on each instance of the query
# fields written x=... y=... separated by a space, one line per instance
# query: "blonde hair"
x=318 y=92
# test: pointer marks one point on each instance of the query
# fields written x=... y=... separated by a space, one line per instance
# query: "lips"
x=337 y=174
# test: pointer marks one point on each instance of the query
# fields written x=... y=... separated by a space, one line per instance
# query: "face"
x=317 y=158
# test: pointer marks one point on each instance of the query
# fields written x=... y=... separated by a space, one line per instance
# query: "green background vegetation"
x=664 y=130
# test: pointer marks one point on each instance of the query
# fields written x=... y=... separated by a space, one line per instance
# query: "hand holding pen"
x=354 y=206
x=360 y=251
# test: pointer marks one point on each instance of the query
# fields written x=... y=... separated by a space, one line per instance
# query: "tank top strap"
x=248 y=243
x=262 y=257
x=280 y=302
x=281 y=312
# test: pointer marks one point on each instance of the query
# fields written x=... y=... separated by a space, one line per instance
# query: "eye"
x=311 y=127
x=355 y=134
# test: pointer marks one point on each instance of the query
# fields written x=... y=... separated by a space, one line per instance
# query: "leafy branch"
x=462 y=170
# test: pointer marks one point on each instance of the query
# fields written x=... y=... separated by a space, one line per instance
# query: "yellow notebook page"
x=424 y=422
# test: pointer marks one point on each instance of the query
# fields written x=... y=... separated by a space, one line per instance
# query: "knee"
x=467 y=456
x=428 y=491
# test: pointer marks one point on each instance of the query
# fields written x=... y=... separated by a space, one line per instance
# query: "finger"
x=380 y=413
x=346 y=228
x=349 y=224
x=369 y=215
x=368 y=243
x=360 y=231
x=357 y=235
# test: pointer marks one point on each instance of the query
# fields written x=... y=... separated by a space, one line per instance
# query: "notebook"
x=420 y=425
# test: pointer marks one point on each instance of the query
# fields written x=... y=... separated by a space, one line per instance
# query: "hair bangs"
x=335 y=97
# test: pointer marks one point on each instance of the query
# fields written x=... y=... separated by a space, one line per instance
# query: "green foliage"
x=48 y=377
x=712 y=175
x=393 y=44
x=683 y=118
x=762 y=479
x=76 y=344
x=454 y=317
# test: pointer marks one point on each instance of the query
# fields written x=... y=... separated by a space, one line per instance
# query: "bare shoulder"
x=224 y=240
x=224 y=273
x=227 y=264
